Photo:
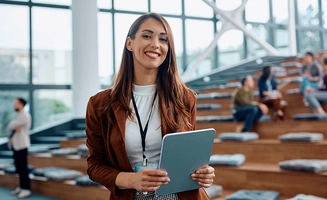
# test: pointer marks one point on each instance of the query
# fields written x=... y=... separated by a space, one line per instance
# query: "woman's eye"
x=163 y=39
x=146 y=36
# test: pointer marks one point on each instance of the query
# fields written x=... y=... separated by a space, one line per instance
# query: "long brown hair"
x=172 y=92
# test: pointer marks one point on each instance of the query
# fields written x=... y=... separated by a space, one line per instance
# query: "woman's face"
x=149 y=46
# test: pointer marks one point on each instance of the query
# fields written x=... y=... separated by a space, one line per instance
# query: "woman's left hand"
x=204 y=176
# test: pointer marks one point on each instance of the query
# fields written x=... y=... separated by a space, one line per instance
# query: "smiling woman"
x=126 y=123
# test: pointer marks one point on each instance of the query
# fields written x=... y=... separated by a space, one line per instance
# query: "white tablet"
x=182 y=154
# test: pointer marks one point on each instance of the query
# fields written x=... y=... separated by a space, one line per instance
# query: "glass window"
x=254 y=49
x=325 y=39
x=230 y=48
x=105 y=49
x=324 y=12
x=52 y=46
x=60 y=2
x=14 y=44
x=165 y=7
x=197 y=41
x=228 y=5
x=122 y=25
x=104 y=4
x=308 y=12
x=309 y=41
x=7 y=112
x=176 y=26
x=198 y=9
x=282 y=41
x=132 y=5
x=51 y=105
x=253 y=14
x=280 y=11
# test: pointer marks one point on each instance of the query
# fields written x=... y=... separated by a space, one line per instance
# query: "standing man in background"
x=19 y=141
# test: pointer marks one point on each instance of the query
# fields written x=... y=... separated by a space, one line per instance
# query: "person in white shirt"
x=19 y=142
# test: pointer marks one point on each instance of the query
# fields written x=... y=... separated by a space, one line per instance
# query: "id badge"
x=139 y=166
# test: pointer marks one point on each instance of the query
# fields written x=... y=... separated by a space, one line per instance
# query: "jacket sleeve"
x=18 y=121
x=99 y=169
x=261 y=87
x=193 y=111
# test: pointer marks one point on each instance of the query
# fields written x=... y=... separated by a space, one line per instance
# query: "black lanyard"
x=145 y=130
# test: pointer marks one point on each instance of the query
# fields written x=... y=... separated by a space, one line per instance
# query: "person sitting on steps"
x=314 y=98
x=244 y=107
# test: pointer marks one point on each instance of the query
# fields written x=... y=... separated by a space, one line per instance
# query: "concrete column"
x=85 y=54
x=292 y=28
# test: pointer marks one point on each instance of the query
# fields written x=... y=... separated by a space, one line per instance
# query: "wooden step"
x=62 y=190
x=72 y=143
x=74 y=162
x=272 y=151
x=270 y=130
x=255 y=176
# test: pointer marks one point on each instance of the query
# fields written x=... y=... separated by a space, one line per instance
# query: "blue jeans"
x=249 y=114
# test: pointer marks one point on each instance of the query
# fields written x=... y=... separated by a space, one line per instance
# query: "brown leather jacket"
x=107 y=152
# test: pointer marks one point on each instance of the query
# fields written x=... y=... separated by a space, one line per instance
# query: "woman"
x=148 y=98
x=312 y=74
x=269 y=91
x=314 y=98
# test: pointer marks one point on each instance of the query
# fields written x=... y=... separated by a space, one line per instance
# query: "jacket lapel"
x=121 y=117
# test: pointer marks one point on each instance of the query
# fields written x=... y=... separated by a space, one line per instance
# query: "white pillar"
x=292 y=28
x=85 y=54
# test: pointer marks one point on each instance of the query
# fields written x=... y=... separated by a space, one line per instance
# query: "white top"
x=143 y=96
x=21 y=139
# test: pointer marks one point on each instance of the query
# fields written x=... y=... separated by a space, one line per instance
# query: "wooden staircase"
x=261 y=170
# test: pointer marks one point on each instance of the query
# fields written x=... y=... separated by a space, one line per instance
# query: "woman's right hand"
x=148 y=180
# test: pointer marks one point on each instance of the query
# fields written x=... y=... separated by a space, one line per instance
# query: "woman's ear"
x=129 y=43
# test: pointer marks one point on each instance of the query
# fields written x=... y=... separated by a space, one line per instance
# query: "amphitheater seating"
x=306 y=197
x=12 y=169
x=214 y=95
x=85 y=181
x=62 y=175
x=64 y=151
x=241 y=137
x=310 y=116
x=301 y=137
x=254 y=194
x=214 y=191
x=227 y=160
x=200 y=119
x=304 y=165
x=208 y=106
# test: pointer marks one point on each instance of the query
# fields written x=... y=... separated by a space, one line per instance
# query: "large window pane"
x=122 y=25
x=280 y=11
x=308 y=12
x=14 y=44
x=230 y=47
x=176 y=26
x=310 y=41
x=282 y=41
x=257 y=11
x=7 y=112
x=324 y=12
x=198 y=8
x=165 y=7
x=52 y=46
x=228 y=5
x=104 y=4
x=51 y=105
x=261 y=32
x=199 y=36
x=132 y=5
x=60 y=2
x=105 y=48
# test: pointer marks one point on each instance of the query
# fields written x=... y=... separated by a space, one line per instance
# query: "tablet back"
x=181 y=155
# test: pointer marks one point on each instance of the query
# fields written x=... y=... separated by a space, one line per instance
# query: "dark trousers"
x=249 y=114
x=21 y=164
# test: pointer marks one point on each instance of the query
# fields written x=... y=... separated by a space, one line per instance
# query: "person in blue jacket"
x=269 y=91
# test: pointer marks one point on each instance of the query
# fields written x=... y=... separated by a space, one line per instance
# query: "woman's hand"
x=204 y=176
x=148 y=180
